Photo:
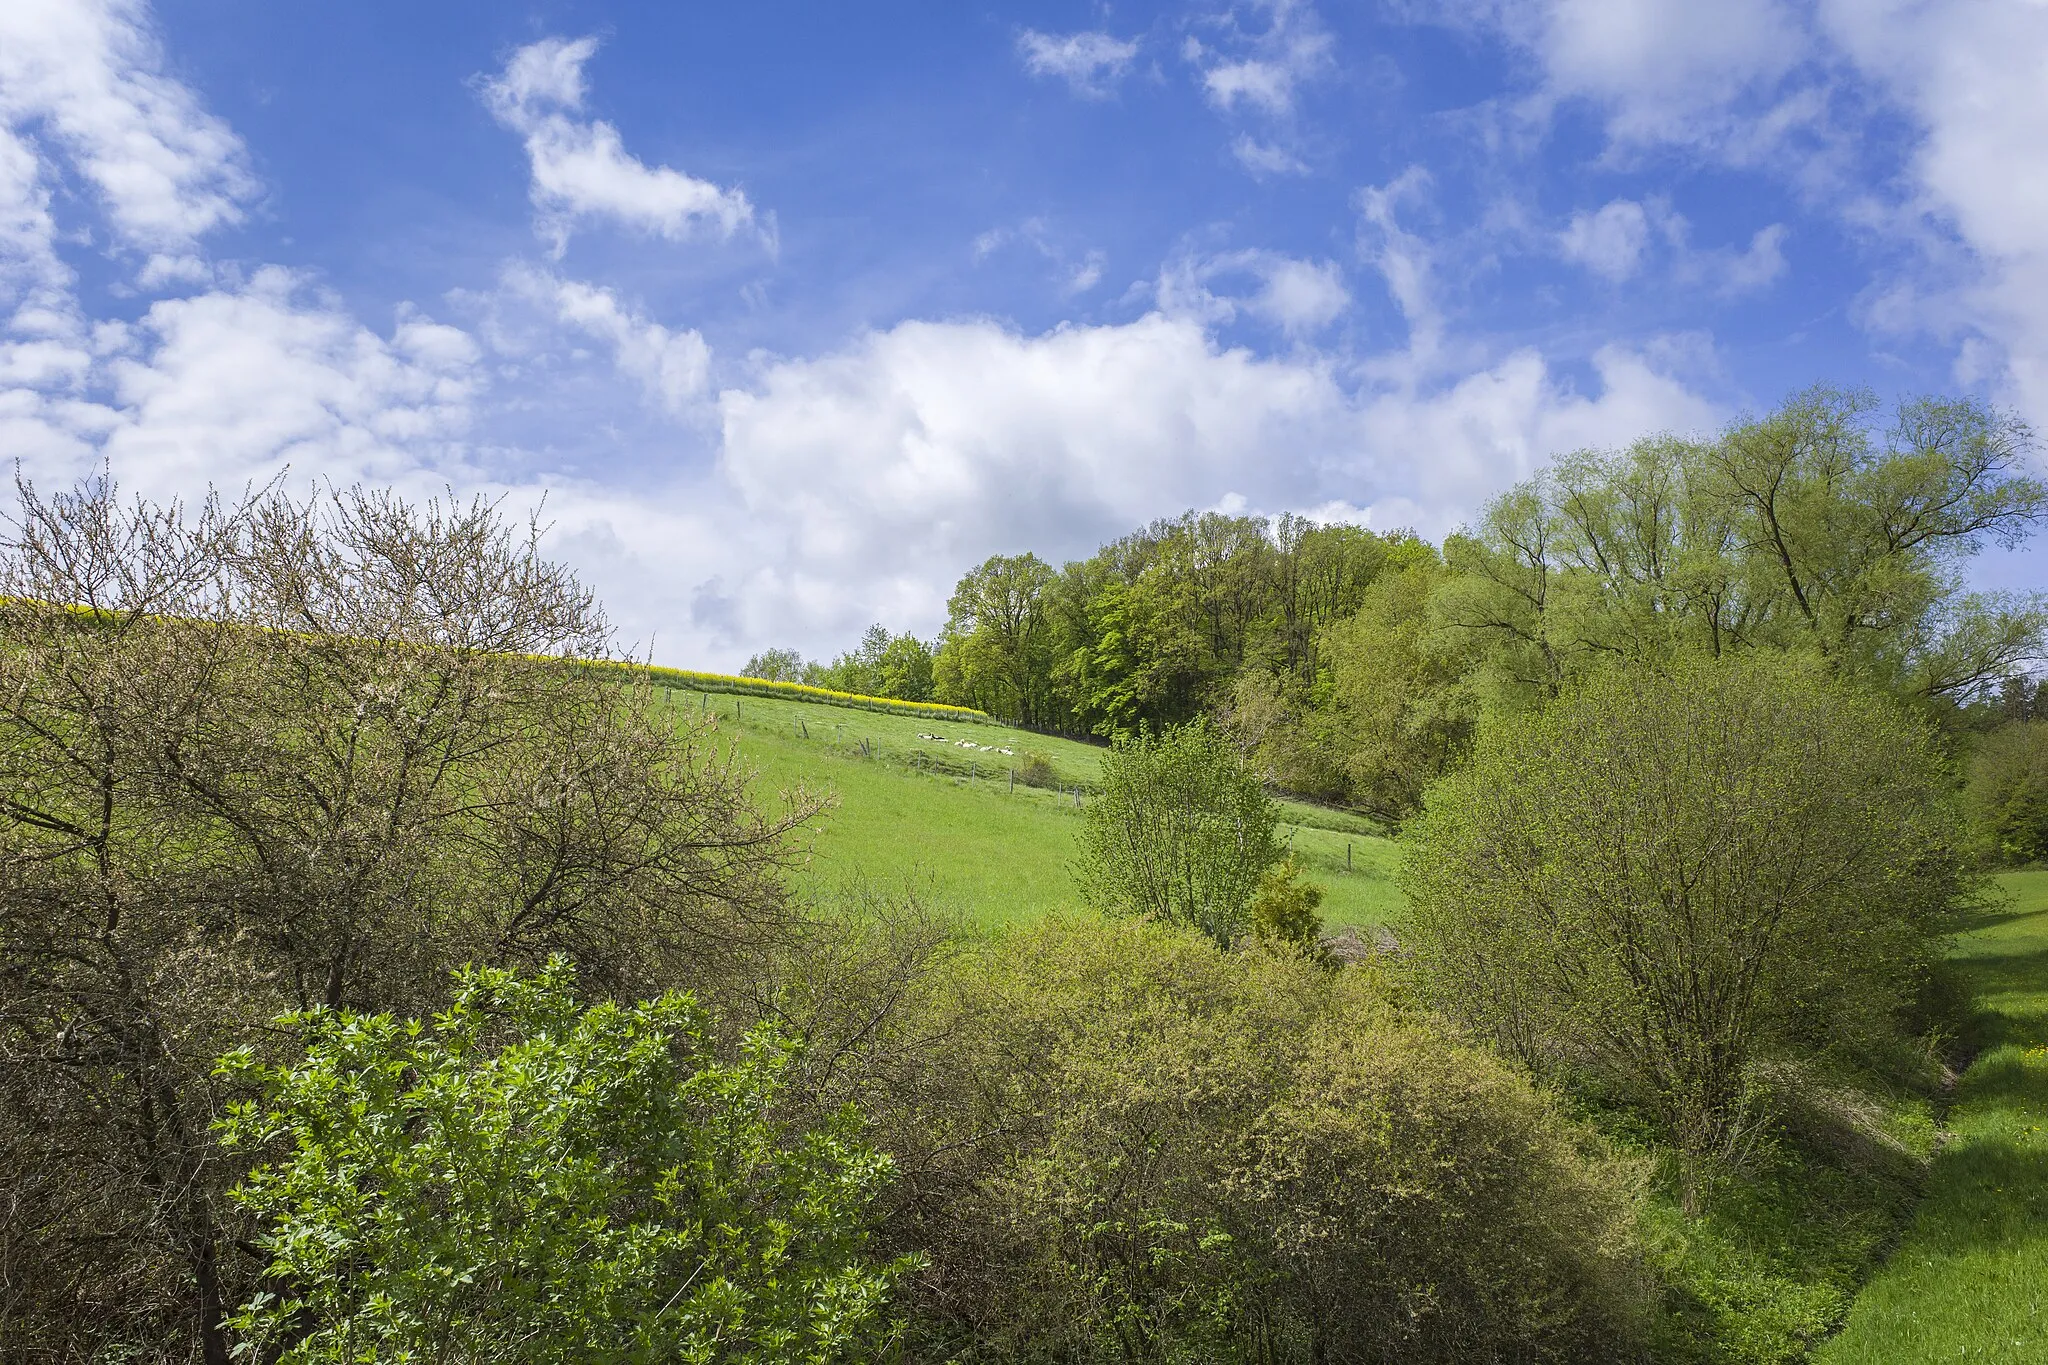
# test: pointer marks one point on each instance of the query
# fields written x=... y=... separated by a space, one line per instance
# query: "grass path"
x=1970 y=1280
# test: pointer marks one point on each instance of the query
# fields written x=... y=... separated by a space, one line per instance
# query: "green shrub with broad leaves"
x=526 y=1180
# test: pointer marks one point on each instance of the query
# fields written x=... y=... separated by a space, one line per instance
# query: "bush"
x=1667 y=879
x=522 y=1181
x=1284 y=907
x=1034 y=769
x=1135 y=1146
x=1181 y=831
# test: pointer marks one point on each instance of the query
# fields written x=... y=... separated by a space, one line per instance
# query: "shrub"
x=1666 y=879
x=1136 y=1146
x=1034 y=769
x=523 y=1181
x=1181 y=831
x=1284 y=907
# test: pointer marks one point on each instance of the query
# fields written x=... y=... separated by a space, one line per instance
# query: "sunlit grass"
x=1969 y=1282
x=916 y=808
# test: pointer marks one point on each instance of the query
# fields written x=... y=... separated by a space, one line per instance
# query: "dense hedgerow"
x=1135 y=1146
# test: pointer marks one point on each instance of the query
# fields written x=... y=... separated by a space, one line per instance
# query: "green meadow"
x=931 y=806
x=1969 y=1280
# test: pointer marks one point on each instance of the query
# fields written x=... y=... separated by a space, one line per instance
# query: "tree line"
x=1357 y=666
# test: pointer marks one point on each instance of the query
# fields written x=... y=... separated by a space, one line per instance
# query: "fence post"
x=1013 y=781
x=1347 y=855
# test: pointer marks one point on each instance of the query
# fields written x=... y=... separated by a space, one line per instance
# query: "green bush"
x=1181 y=831
x=524 y=1181
x=1668 y=879
x=1136 y=1146
x=1034 y=769
x=1284 y=907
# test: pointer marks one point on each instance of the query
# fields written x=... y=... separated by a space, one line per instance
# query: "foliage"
x=775 y=665
x=1135 y=1146
x=1808 y=530
x=883 y=665
x=1668 y=878
x=287 y=754
x=524 y=1181
x=1181 y=831
x=2008 y=792
x=1284 y=906
x=1034 y=769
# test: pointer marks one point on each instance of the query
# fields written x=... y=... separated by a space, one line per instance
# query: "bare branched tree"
x=276 y=753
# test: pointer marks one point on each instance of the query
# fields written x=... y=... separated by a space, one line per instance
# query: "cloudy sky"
x=795 y=310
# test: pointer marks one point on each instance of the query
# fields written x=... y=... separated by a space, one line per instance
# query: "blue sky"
x=794 y=311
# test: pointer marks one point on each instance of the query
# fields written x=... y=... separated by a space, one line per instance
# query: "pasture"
x=931 y=806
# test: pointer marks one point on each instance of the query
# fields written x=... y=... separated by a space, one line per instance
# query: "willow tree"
x=283 y=754
x=1824 y=528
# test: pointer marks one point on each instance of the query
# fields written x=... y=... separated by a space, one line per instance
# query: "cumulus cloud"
x=1090 y=63
x=670 y=366
x=90 y=72
x=580 y=166
x=1971 y=77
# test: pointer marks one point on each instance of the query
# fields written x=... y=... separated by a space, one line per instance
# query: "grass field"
x=917 y=807
x=1969 y=1282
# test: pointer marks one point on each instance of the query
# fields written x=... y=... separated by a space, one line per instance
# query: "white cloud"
x=1090 y=63
x=580 y=166
x=90 y=72
x=1298 y=297
x=1762 y=264
x=1266 y=158
x=1263 y=72
x=1609 y=243
x=234 y=386
x=1973 y=76
x=672 y=367
x=1665 y=70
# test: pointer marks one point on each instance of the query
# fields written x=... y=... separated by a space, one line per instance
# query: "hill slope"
x=931 y=804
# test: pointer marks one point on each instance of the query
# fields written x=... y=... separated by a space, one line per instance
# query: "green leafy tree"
x=1668 y=879
x=775 y=665
x=904 y=669
x=1815 y=529
x=996 y=651
x=523 y=1180
x=1181 y=831
x=2008 y=792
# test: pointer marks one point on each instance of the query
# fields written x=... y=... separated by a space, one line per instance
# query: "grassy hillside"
x=930 y=804
x=1970 y=1280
